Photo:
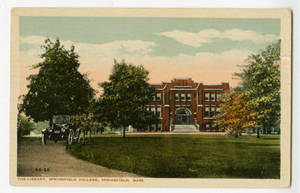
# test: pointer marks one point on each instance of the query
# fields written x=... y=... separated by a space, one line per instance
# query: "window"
x=218 y=96
x=206 y=96
x=182 y=97
x=213 y=127
x=213 y=96
x=189 y=97
x=217 y=110
x=207 y=126
x=206 y=113
x=212 y=111
x=158 y=96
x=153 y=97
x=158 y=111
x=176 y=97
x=153 y=109
x=152 y=128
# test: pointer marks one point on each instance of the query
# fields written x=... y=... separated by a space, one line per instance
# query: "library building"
x=183 y=105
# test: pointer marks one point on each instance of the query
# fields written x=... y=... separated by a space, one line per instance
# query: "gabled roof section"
x=188 y=84
x=183 y=83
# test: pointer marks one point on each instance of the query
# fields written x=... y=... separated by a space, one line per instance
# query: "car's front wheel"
x=70 y=137
x=44 y=139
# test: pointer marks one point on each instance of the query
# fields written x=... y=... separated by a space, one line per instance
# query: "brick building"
x=184 y=105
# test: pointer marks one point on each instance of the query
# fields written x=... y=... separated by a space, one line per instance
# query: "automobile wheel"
x=44 y=139
x=70 y=137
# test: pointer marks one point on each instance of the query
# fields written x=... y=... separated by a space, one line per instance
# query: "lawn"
x=186 y=156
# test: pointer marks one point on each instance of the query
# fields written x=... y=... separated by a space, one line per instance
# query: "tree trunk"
x=236 y=134
x=240 y=133
x=124 y=130
x=264 y=128
x=84 y=137
x=257 y=131
x=268 y=129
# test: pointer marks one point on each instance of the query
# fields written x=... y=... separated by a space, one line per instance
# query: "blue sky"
x=170 y=45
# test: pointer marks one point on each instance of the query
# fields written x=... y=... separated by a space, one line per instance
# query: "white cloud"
x=32 y=40
x=206 y=36
x=97 y=60
x=236 y=34
x=92 y=56
x=133 y=47
x=191 y=39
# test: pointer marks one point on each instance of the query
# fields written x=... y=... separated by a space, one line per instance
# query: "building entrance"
x=183 y=116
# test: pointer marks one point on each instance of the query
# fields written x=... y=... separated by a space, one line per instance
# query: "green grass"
x=186 y=156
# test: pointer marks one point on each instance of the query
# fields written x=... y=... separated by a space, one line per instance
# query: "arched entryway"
x=183 y=116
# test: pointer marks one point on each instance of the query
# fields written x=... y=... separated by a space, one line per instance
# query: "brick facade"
x=185 y=102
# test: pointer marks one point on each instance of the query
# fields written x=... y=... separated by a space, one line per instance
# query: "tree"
x=125 y=96
x=261 y=86
x=85 y=122
x=58 y=88
x=24 y=126
x=144 y=120
x=235 y=115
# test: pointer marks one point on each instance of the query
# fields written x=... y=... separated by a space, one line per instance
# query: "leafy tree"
x=125 y=96
x=24 y=126
x=261 y=86
x=58 y=88
x=144 y=120
x=103 y=114
x=85 y=122
x=235 y=114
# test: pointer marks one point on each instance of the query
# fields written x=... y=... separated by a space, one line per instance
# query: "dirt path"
x=33 y=156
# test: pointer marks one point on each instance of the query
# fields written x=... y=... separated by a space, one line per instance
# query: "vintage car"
x=61 y=129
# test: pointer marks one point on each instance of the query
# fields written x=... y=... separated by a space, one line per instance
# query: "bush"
x=24 y=126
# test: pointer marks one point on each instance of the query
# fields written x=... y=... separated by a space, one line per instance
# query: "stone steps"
x=185 y=128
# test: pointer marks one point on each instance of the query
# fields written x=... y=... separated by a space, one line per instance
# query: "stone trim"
x=183 y=89
x=213 y=89
x=209 y=118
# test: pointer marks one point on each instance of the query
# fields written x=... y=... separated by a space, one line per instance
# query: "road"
x=35 y=159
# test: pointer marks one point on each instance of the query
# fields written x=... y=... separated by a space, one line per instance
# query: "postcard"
x=121 y=97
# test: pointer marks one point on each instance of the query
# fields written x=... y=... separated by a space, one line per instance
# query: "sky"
x=208 y=50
